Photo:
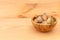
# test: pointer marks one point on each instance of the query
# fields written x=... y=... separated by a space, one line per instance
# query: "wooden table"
x=16 y=8
x=22 y=29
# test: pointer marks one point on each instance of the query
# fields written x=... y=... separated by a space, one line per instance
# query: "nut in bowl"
x=44 y=25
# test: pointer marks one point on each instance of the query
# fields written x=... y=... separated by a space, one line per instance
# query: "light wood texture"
x=22 y=29
x=16 y=8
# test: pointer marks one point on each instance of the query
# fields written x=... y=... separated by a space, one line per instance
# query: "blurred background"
x=28 y=8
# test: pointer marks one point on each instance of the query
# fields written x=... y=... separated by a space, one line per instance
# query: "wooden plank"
x=14 y=8
x=22 y=29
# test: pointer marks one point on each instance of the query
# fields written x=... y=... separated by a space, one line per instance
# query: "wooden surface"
x=19 y=8
x=22 y=29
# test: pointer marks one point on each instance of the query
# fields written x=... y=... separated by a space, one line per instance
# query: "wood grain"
x=13 y=8
x=22 y=29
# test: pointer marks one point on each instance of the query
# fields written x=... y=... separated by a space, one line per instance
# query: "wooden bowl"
x=43 y=27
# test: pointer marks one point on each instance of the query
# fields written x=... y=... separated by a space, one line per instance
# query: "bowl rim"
x=42 y=24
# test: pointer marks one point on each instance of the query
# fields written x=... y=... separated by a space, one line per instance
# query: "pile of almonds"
x=45 y=19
